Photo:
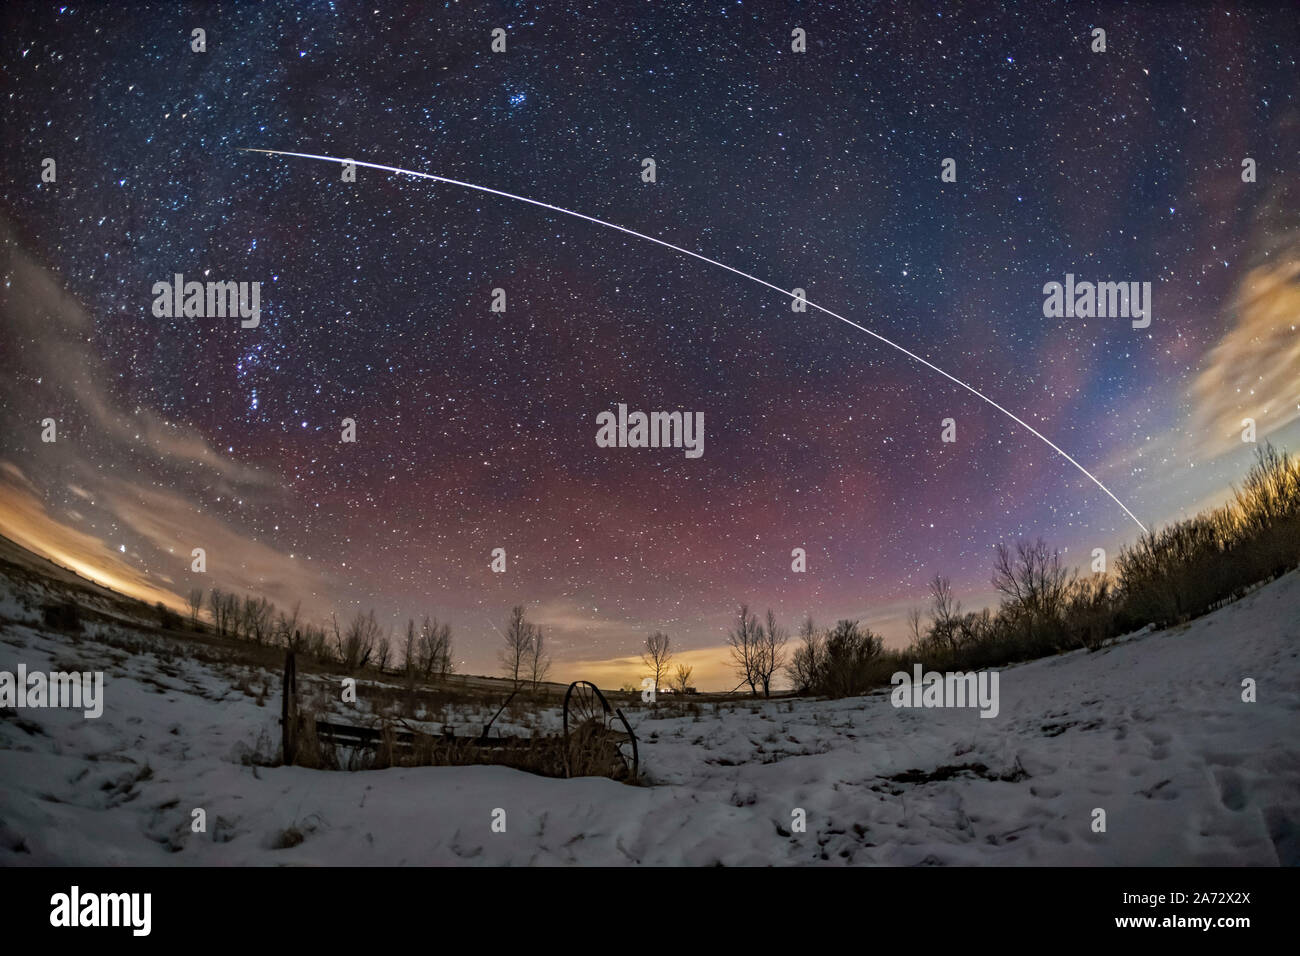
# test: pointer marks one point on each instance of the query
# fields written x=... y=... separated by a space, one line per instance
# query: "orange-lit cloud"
x=24 y=520
x=711 y=670
x=175 y=527
x=115 y=461
x=1254 y=371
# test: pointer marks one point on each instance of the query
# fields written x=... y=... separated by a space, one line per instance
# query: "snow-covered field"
x=1152 y=730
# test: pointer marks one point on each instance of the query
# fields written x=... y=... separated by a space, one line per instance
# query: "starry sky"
x=476 y=429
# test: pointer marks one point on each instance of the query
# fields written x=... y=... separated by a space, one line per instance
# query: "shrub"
x=845 y=661
x=168 y=619
x=62 y=616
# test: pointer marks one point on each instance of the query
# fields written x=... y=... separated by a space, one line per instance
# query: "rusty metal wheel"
x=627 y=747
x=592 y=726
x=583 y=703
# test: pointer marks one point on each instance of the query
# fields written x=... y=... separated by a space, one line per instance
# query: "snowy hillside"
x=1152 y=730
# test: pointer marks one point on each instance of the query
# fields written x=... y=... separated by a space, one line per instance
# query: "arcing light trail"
x=721 y=265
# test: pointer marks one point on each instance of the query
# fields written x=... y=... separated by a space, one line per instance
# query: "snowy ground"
x=1152 y=730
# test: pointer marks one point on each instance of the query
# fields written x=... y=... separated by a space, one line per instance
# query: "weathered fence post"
x=289 y=710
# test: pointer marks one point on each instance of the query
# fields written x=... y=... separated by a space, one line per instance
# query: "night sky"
x=476 y=430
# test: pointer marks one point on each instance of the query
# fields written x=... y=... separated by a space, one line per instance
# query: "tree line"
x=1168 y=576
x=359 y=642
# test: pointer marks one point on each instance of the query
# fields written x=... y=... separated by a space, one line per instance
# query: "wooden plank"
x=373 y=735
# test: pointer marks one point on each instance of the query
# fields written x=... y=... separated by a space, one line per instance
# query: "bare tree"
x=539 y=659
x=383 y=651
x=771 y=654
x=914 y=625
x=847 y=661
x=1035 y=584
x=518 y=640
x=196 y=605
x=257 y=616
x=682 y=678
x=410 y=649
x=338 y=636
x=217 y=605
x=806 y=659
x=235 y=615
x=286 y=629
x=356 y=644
x=656 y=657
x=230 y=613
x=945 y=613
x=315 y=641
x=745 y=642
x=239 y=616
x=445 y=664
x=265 y=623
x=434 y=648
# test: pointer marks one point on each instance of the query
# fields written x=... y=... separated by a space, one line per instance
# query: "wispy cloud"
x=71 y=382
x=24 y=520
x=115 y=461
x=1254 y=370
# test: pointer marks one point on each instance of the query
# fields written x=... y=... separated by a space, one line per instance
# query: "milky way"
x=476 y=428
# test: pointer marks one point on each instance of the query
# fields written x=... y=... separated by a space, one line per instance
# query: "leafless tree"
x=239 y=612
x=539 y=659
x=264 y=621
x=235 y=615
x=383 y=650
x=914 y=625
x=1035 y=584
x=356 y=644
x=217 y=605
x=771 y=655
x=315 y=641
x=434 y=648
x=196 y=605
x=445 y=663
x=338 y=636
x=945 y=613
x=806 y=658
x=230 y=614
x=258 y=613
x=745 y=643
x=410 y=650
x=286 y=629
x=682 y=678
x=848 y=657
x=518 y=640
x=656 y=657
